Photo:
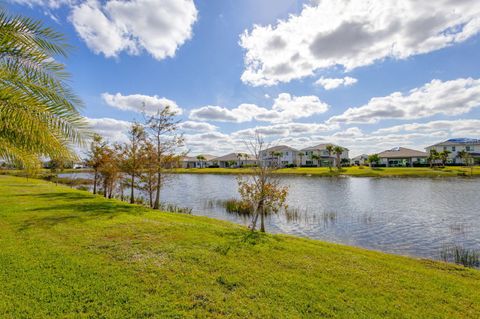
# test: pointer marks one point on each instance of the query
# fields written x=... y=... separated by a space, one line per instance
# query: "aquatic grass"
x=238 y=207
x=461 y=256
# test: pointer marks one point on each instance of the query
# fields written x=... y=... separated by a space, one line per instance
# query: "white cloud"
x=453 y=97
x=140 y=103
x=156 y=26
x=284 y=129
x=351 y=34
x=459 y=128
x=197 y=126
x=112 y=130
x=333 y=83
x=285 y=108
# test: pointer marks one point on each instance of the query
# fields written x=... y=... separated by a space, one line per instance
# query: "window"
x=286 y=153
x=467 y=148
x=453 y=148
x=444 y=148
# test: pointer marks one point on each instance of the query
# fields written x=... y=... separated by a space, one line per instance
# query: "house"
x=402 y=157
x=279 y=156
x=456 y=145
x=235 y=160
x=199 y=161
x=359 y=160
x=318 y=156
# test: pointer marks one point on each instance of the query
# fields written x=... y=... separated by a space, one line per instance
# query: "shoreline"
x=110 y=252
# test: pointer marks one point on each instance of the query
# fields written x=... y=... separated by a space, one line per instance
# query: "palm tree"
x=467 y=159
x=315 y=157
x=338 y=152
x=277 y=155
x=330 y=149
x=239 y=158
x=201 y=158
x=39 y=114
x=444 y=156
x=432 y=157
x=301 y=154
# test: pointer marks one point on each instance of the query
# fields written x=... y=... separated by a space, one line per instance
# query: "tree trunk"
x=132 y=185
x=95 y=176
x=105 y=189
x=157 y=194
x=254 y=222
x=262 y=221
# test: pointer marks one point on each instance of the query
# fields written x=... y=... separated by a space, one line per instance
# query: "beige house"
x=318 y=156
x=234 y=160
x=402 y=157
x=279 y=156
x=199 y=161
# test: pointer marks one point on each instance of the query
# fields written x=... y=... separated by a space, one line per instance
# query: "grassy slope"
x=65 y=253
x=448 y=171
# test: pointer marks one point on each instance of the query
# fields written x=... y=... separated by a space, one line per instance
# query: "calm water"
x=406 y=216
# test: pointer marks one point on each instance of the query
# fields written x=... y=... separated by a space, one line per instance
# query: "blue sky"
x=295 y=68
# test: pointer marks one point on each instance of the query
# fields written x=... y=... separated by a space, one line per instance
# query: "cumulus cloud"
x=453 y=97
x=285 y=108
x=197 y=126
x=284 y=129
x=351 y=34
x=459 y=128
x=157 y=26
x=140 y=103
x=112 y=130
x=333 y=83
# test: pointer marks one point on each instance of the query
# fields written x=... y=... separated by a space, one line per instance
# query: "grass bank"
x=69 y=254
x=449 y=171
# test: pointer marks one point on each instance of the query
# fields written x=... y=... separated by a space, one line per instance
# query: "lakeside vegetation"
x=81 y=255
x=359 y=171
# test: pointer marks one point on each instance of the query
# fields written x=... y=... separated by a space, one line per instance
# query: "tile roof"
x=401 y=152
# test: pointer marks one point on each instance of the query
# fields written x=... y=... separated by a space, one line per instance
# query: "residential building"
x=456 y=145
x=359 y=160
x=318 y=156
x=235 y=160
x=199 y=161
x=279 y=156
x=402 y=157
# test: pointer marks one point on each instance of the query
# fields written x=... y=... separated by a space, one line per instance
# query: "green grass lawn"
x=449 y=171
x=68 y=254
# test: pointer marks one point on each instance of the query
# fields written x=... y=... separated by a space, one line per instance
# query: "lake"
x=408 y=216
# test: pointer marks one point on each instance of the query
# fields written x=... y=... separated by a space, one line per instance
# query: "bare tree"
x=95 y=158
x=163 y=132
x=132 y=162
x=148 y=177
x=262 y=189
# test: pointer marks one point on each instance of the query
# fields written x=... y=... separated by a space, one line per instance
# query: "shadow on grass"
x=59 y=196
x=77 y=211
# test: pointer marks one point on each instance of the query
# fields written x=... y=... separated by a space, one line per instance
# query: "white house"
x=359 y=160
x=280 y=156
x=235 y=160
x=456 y=145
x=402 y=157
x=318 y=155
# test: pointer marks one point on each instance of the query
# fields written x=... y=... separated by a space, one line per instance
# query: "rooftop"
x=321 y=147
x=234 y=157
x=280 y=148
x=401 y=152
x=457 y=141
